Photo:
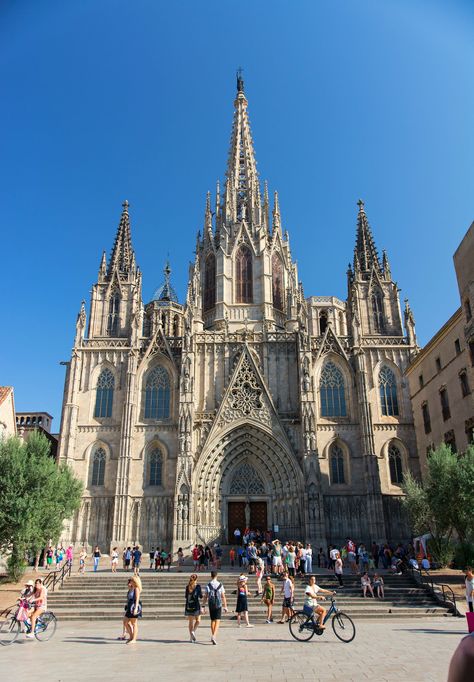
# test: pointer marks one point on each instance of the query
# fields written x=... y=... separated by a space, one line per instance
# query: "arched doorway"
x=247 y=500
x=246 y=474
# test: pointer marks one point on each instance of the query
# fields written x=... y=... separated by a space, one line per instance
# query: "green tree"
x=36 y=495
x=442 y=504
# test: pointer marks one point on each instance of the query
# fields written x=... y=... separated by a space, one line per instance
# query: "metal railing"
x=443 y=593
x=56 y=579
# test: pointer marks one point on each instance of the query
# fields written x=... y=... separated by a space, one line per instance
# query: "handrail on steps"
x=440 y=591
x=57 y=578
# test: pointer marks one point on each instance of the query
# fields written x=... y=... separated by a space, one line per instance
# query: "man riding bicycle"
x=310 y=601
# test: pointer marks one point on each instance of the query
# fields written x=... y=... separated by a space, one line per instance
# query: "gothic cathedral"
x=248 y=405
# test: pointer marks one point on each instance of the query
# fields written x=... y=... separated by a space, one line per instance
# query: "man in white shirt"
x=237 y=535
x=287 y=590
x=310 y=601
x=215 y=597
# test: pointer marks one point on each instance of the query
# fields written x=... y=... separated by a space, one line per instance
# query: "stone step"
x=116 y=615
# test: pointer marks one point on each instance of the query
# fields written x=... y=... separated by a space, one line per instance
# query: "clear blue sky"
x=104 y=100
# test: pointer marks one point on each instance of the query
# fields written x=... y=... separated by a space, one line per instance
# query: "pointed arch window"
x=336 y=462
x=98 y=467
x=210 y=282
x=396 y=465
x=104 y=396
x=388 y=392
x=243 y=278
x=377 y=311
x=277 y=282
x=114 y=314
x=155 y=468
x=332 y=391
x=157 y=394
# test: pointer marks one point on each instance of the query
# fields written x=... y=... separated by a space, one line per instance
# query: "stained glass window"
x=243 y=272
x=98 y=467
x=336 y=460
x=155 y=467
x=104 y=396
x=157 y=394
x=332 y=391
x=388 y=392
x=395 y=464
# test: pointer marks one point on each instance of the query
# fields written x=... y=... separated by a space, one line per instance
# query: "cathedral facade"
x=249 y=404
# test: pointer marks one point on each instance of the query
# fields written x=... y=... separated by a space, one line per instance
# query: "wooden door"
x=236 y=519
x=258 y=516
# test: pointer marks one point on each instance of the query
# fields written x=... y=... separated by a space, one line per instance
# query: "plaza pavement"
x=383 y=650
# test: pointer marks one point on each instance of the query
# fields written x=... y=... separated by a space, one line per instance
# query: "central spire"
x=365 y=252
x=242 y=196
x=122 y=257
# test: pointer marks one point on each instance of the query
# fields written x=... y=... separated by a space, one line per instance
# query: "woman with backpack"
x=192 y=609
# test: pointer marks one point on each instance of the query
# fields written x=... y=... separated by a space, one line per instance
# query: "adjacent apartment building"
x=441 y=377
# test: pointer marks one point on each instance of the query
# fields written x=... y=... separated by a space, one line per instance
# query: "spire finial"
x=361 y=205
x=240 y=80
x=125 y=206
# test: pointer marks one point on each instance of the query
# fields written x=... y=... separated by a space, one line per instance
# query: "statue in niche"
x=186 y=380
x=247 y=513
x=306 y=380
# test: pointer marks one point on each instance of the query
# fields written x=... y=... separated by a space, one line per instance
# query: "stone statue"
x=306 y=380
x=186 y=380
x=247 y=513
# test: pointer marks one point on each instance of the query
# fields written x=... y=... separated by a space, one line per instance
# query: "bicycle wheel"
x=9 y=631
x=45 y=626
x=343 y=627
x=301 y=626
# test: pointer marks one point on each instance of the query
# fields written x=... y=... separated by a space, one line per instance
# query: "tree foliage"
x=442 y=504
x=36 y=495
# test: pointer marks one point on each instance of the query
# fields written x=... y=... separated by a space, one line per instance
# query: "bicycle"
x=45 y=628
x=303 y=624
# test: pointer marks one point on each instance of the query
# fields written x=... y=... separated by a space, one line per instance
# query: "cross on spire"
x=240 y=80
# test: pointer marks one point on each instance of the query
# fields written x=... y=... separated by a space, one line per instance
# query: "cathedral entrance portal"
x=247 y=478
x=239 y=512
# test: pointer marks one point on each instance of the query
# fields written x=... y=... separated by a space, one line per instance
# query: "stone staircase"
x=102 y=595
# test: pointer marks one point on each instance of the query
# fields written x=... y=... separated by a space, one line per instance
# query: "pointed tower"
x=243 y=200
x=246 y=274
x=117 y=294
x=372 y=295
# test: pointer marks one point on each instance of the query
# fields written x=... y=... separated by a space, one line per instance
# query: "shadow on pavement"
x=432 y=631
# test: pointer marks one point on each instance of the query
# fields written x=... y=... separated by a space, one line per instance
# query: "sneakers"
x=268 y=621
x=249 y=625
x=193 y=637
x=213 y=640
x=29 y=636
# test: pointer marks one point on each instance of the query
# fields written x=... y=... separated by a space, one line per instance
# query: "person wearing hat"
x=242 y=598
x=29 y=589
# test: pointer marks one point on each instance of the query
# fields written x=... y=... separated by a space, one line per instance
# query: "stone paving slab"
x=382 y=651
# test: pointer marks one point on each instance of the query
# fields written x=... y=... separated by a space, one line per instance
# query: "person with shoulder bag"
x=133 y=608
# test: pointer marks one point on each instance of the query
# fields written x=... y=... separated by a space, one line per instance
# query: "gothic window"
x=377 y=311
x=336 y=462
x=114 y=313
x=155 y=468
x=243 y=278
x=425 y=411
x=246 y=481
x=277 y=282
x=395 y=464
x=332 y=391
x=98 y=467
x=210 y=282
x=323 y=321
x=157 y=394
x=388 y=392
x=104 y=396
x=443 y=395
